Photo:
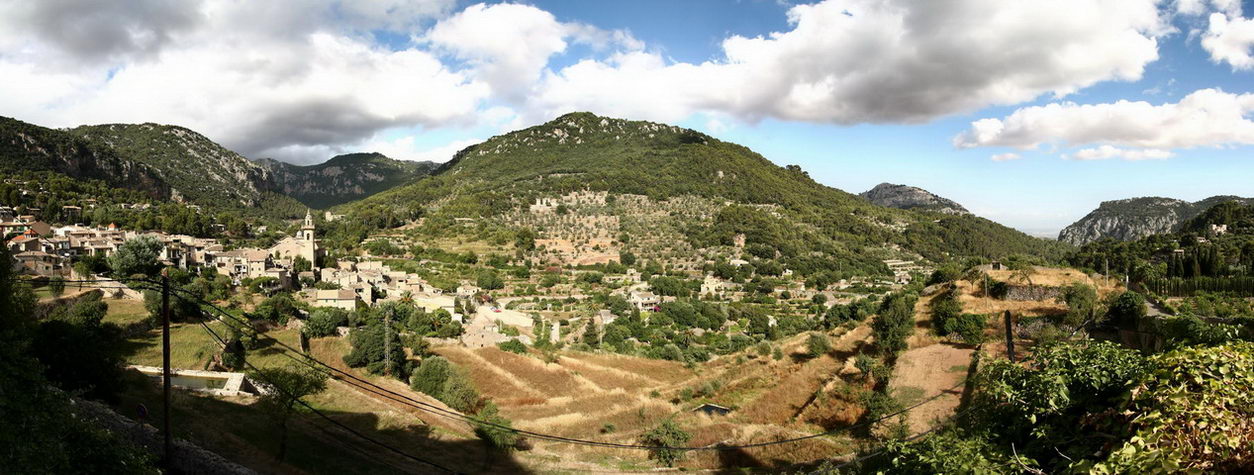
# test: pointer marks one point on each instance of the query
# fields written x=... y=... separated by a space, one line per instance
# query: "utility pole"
x=165 y=364
x=1010 y=341
x=387 y=341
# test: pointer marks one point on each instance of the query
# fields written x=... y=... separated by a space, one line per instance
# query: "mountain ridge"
x=1130 y=219
x=343 y=178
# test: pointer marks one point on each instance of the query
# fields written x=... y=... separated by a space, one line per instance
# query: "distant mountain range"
x=912 y=198
x=784 y=207
x=1135 y=218
x=343 y=178
x=176 y=163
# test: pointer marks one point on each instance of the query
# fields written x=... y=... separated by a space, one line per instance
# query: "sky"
x=1029 y=113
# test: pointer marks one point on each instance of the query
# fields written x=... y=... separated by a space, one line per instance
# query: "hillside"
x=198 y=170
x=910 y=197
x=788 y=211
x=28 y=147
x=1135 y=218
x=343 y=178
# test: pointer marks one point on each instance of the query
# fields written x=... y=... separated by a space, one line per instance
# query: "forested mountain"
x=343 y=178
x=198 y=170
x=1135 y=218
x=28 y=147
x=582 y=151
x=910 y=197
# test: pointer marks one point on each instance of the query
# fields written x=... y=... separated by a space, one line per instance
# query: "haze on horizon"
x=1027 y=113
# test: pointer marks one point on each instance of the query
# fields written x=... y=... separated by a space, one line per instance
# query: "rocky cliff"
x=343 y=178
x=910 y=197
x=1135 y=218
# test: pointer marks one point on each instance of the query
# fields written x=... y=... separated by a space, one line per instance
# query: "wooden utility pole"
x=1010 y=341
x=165 y=365
x=387 y=341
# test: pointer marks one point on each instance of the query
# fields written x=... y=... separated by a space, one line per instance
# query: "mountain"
x=343 y=178
x=725 y=189
x=198 y=169
x=1135 y=218
x=28 y=147
x=164 y=162
x=909 y=197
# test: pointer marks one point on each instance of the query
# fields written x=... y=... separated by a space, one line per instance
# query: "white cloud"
x=1005 y=157
x=404 y=148
x=261 y=88
x=1230 y=39
x=1105 y=152
x=1204 y=118
x=297 y=78
x=892 y=61
x=509 y=45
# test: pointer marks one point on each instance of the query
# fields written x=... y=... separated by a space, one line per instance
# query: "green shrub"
x=513 y=346
x=968 y=326
x=666 y=434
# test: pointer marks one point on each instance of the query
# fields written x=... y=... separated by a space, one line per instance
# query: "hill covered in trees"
x=27 y=147
x=585 y=152
x=343 y=178
x=198 y=170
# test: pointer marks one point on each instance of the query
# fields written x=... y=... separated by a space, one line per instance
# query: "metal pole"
x=1010 y=342
x=165 y=364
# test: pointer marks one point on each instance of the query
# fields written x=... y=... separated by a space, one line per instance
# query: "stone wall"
x=1019 y=293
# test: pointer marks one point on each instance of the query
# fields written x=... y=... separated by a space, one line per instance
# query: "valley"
x=588 y=294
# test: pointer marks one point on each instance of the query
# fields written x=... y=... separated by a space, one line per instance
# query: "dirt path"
x=925 y=372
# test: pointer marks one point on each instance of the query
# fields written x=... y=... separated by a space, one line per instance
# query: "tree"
x=41 y=428
x=626 y=258
x=137 y=256
x=369 y=350
x=666 y=434
x=323 y=322
x=496 y=432
x=283 y=389
x=300 y=264
x=1081 y=303
x=489 y=280
x=430 y=376
x=525 y=239
x=56 y=286
x=894 y=324
x=818 y=345
x=1127 y=309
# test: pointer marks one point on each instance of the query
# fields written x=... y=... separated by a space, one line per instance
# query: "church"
x=303 y=244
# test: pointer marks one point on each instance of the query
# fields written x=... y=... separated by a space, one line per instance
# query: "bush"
x=1127 y=309
x=458 y=392
x=666 y=434
x=324 y=321
x=430 y=376
x=1193 y=413
x=498 y=437
x=968 y=326
x=818 y=345
x=944 y=308
x=513 y=346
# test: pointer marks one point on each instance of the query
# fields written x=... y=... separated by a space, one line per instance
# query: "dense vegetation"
x=343 y=178
x=1213 y=252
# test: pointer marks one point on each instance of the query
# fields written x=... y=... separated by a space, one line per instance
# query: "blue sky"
x=1081 y=101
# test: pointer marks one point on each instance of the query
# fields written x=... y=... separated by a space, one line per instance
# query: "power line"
x=426 y=407
x=436 y=410
x=257 y=372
